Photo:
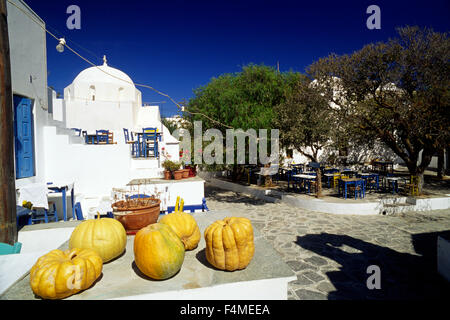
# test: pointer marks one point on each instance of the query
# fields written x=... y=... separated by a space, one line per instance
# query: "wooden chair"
x=150 y=142
x=134 y=143
x=413 y=185
x=102 y=136
x=46 y=216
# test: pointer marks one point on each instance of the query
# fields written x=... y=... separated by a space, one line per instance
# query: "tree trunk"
x=319 y=183
x=440 y=168
x=8 y=225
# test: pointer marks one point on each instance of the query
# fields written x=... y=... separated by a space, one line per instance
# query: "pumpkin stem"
x=98 y=215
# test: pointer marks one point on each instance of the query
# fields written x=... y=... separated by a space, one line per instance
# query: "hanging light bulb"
x=60 y=46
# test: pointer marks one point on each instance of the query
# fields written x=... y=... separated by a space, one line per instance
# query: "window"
x=92 y=92
x=23 y=137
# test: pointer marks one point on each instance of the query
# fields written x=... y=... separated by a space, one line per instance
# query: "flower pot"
x=136 y=214
x=192 y=172
x=185 y=173
x=178 y=175
x=167 y=175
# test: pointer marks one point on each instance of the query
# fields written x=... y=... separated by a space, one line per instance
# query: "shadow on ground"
x=403 y=276
x=220 y=195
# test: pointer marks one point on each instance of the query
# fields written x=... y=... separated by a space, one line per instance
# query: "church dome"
x=104 y=74
x=103 y=84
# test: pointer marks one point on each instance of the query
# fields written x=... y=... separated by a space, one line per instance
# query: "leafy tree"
x=397 y=92
x=305 y=120
x=243 y=100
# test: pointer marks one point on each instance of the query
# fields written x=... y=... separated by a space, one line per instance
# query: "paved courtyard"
x=330 y=253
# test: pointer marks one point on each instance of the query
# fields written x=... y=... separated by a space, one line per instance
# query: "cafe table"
x=307 y=178
x=357 y=182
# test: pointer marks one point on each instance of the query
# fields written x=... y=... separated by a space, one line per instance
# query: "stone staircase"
x=394 y=206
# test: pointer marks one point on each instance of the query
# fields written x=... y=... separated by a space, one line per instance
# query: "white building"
x=48 y=150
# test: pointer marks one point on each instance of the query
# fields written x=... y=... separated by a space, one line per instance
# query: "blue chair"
x=37 y=216
x=77 y=130
x=102 y=136
x=134 y=144
x=149 y=142
x=10 y=249
x=78 y=211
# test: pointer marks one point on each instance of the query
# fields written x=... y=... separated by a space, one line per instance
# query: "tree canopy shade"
x=305 y=121
x=397 y=92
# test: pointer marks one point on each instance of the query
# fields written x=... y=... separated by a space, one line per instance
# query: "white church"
x=49 y=151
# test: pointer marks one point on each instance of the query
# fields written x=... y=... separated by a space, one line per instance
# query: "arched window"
x=92 y=92
x=121 y=92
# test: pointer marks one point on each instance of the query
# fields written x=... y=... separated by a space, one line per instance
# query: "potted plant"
x=136 y=212
x=167 y=165
x=177 y=173
x=185 y=170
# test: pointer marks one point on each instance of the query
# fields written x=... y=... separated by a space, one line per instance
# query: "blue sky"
x=177 y=46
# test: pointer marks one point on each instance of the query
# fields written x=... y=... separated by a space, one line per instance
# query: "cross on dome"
x=104 y=60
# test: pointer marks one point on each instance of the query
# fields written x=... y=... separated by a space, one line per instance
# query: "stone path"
x=330 y=253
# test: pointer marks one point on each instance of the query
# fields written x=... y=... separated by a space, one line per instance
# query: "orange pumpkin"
x=59 y=274
x=158 y=251
x=229 y=243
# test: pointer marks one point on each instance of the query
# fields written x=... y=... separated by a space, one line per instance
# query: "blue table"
x=63 y=188
x=308 y=179
x=367 y=176
x=344 y=183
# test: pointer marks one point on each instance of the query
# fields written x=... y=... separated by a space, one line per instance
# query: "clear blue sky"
x=177 y=46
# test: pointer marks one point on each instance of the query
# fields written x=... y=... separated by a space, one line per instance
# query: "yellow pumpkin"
x=185 y=227
x=107 y=236
x=229 y=243
x=59 y=274
x=158 y=251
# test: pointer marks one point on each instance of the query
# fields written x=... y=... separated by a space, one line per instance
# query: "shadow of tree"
x=220 y=195
x=404 y=276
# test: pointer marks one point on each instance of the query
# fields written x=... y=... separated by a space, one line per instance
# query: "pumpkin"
x=158 y=251
x=185 y=227
x=107 y=236
x=59 y=274
x=229 y=243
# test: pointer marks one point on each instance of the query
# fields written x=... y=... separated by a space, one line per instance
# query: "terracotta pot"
x=135 y=215
x=178 y=175
x=185 y=173
x=191 y=171
x=167 y=175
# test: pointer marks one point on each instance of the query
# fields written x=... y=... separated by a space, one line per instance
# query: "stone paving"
x=330 y=253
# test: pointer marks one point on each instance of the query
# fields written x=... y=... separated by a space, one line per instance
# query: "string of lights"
x=63 y=44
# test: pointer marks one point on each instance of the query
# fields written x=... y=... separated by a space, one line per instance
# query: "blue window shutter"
x=24 y=137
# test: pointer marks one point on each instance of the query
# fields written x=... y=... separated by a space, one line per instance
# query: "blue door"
x=24 y=137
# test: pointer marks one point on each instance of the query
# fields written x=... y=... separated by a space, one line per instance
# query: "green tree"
x=243 y=100
x=305 y=121
x=396 y=92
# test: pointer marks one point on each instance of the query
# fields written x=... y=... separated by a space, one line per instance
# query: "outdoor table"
x=366 y=176
x=140 y=139
x=393 y=181
x=306 y=178
x=63 y=188
x=329 y=177
x=384 y=165
x=355 y=181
